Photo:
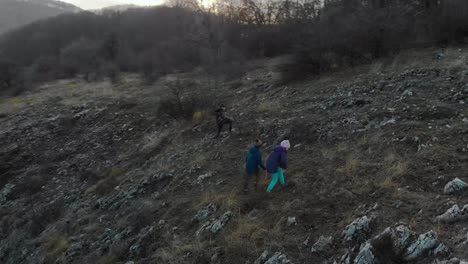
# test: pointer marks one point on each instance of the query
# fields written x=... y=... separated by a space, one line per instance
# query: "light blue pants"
x=278 y=175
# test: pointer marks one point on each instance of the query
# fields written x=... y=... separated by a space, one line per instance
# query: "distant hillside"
x=17 y=13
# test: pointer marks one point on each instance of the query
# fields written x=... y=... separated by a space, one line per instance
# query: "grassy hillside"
x=102 y=173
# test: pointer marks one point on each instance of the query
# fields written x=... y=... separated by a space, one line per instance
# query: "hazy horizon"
x=97 y=4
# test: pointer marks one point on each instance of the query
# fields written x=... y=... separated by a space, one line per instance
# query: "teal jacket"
x=253 y=161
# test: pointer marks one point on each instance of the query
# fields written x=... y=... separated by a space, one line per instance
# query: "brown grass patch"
x=229 y=201
x=56 y=246
x=351 y=166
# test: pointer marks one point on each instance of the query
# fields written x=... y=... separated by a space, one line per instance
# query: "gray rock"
x=455 y=186
x=399 y=236
x=203 y=213
x=441 y=250
x=422 y=246
x=278 y=258
x=291 y=221
x=202 y=177
x=263 y=258
x=130 y=262
x=452 y=215
x=450 y=261
x=6 y=191
x=357 y=229
x=322 y=244
x=135 y=250
x=215 y=225
x=365 y=255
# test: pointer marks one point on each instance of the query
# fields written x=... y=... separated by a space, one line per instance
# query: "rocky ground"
x=102 y=173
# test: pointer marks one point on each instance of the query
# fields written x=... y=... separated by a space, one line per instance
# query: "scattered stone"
x=215 y=225
x=322 y=244
x=357 y=229
x=291 y=221
x=455 y=186
x=422 y=246
x=203 y=213
x=453 y=215
x=365 y=255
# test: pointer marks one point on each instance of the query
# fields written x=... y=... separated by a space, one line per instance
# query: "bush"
x=81 y=56
x=180 y=106
x=12 y=79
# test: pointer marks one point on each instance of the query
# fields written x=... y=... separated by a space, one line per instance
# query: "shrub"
x=183 y=106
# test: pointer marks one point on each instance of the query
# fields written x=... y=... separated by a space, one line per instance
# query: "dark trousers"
x=221 y=123
x=248 y=177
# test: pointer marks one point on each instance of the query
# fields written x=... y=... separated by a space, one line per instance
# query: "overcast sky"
x=96 y=4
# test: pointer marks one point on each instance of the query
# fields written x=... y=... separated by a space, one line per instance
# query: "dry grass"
x=388 y=183
x=199 y=159
x=268 y=106
x=56 y=246
x=397 y=169
x=153 y=140
x=174 y=254
x=229 y=201
x=351 y=166
x=328 y=153
x=108 y=183
x=248 y=232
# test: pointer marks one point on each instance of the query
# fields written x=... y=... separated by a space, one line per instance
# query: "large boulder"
x=358 y=229
x=455 y=186
x=365 y=255
x=203 y=213
x=277 y=258
x=452 y=215
x=425 y=243
x=215 y=225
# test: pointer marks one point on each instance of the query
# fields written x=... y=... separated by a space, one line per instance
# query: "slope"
x=95 y=173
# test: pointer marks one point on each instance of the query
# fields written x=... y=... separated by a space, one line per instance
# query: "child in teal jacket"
x=253 y=163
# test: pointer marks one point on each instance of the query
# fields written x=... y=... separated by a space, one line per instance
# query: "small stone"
x=292 y=221
x=357 y=229
x=263 y=258
x=365 y=255
x=322 y=244
x=6 y=191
